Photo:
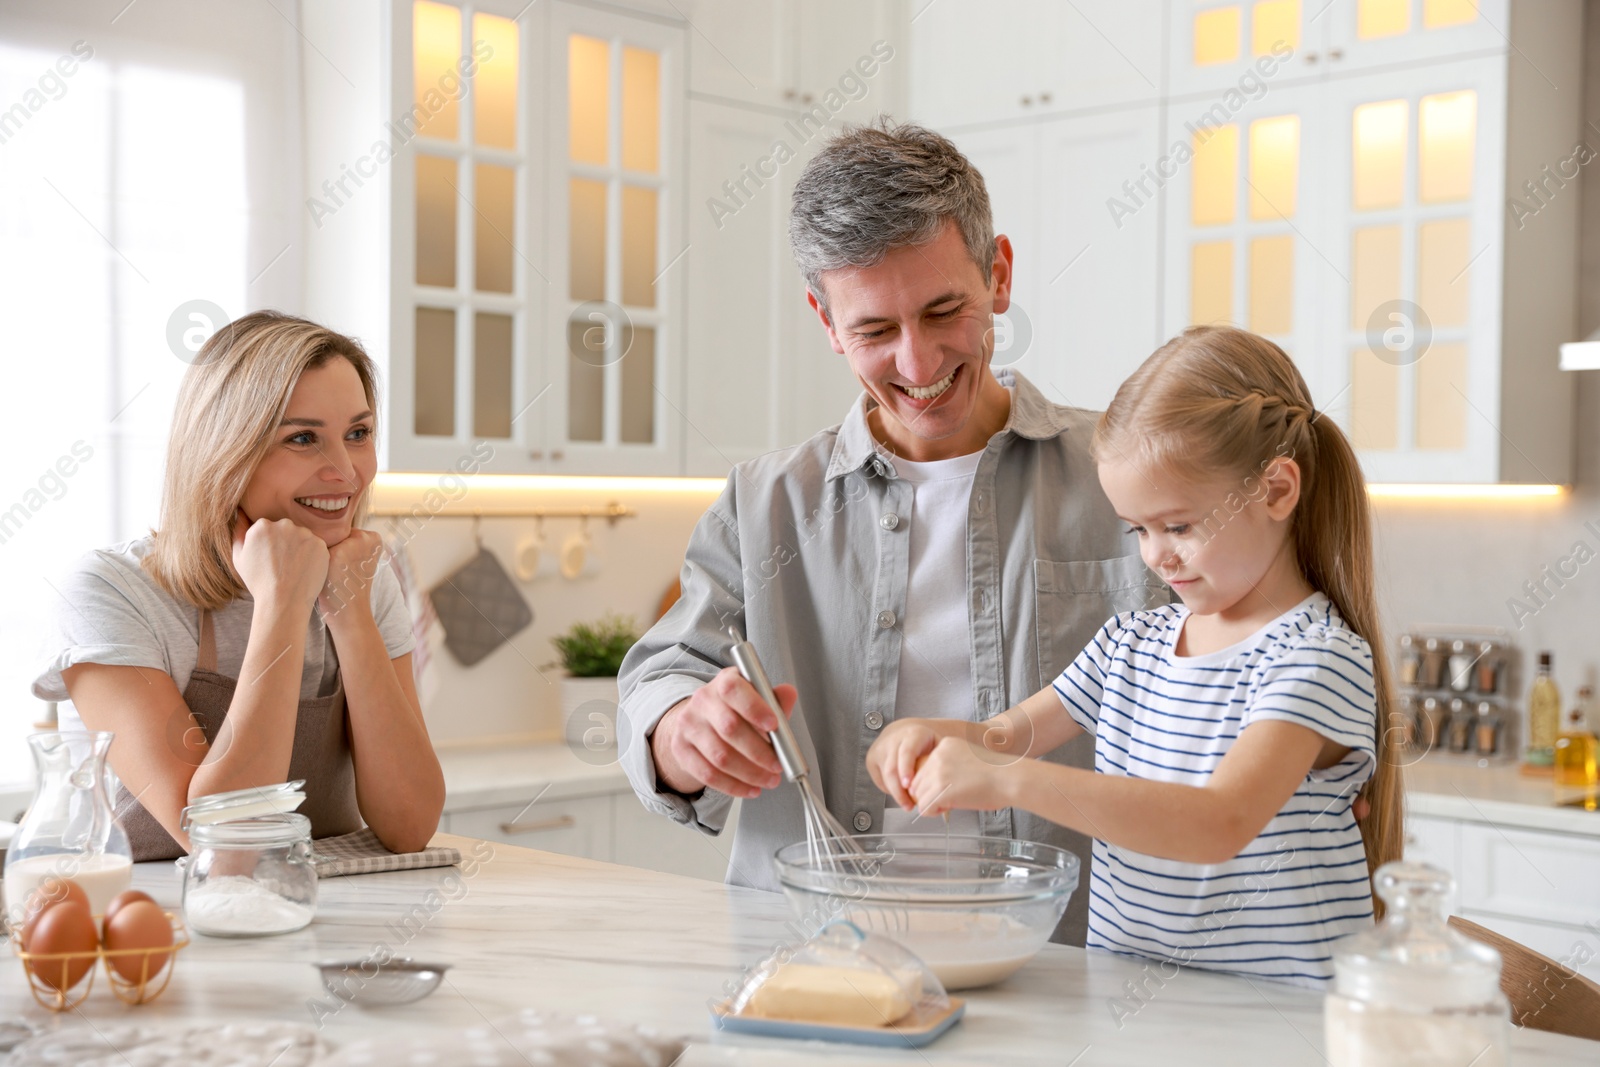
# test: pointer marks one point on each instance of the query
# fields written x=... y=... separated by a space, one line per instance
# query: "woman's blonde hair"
x=229 y=406
x=1219 y=402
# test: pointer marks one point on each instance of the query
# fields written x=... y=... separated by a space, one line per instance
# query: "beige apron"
x=321 y=756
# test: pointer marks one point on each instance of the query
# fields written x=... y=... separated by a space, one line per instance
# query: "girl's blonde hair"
x=1218 y=402
x=229 y=406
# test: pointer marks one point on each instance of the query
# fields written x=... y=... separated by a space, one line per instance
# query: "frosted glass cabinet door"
x=1245 y=242
x=1372 y=33
x=616 y=270
x=1414 y=179
x=1244 y=46
x=461 y=316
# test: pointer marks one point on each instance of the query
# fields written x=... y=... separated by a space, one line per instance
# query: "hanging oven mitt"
x=479 y=607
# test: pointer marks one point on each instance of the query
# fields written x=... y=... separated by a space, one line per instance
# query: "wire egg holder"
x=146 y=989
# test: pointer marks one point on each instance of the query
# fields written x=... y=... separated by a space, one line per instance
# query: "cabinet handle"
x=1027 y=101
x=564 y=822
x=1336 y=53
x=1311 y=57
x=537 y=453
x=1044 y=98
x=806 y=98
x=558 y=454
x=790 y=94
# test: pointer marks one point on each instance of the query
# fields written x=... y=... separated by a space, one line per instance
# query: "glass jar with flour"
x=250 y=877
x=1413 y=991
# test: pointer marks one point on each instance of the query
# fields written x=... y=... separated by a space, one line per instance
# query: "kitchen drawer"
x=1434 y=841
x=1576 y=947
x=645 y=839
x=1525 y=874
x=578 y=827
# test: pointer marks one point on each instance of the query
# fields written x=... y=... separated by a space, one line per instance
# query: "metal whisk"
x=827 y=842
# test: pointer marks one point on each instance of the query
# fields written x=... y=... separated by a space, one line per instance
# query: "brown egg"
x=63 y=927
x=127 y=896
x=51 y=891
x=138 y=924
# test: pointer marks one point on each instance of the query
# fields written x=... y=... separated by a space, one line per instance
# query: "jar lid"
x=1413 y=959
x=263 y=831
x=243 y=804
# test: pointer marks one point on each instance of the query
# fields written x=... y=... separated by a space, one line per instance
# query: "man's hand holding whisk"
x=717 y=738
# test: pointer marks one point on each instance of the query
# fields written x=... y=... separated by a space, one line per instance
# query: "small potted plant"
x=591 y=653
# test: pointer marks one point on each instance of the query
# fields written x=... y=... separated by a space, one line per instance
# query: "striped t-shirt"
x=1273 y=910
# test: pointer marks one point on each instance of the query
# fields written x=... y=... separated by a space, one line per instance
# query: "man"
x=946 y=550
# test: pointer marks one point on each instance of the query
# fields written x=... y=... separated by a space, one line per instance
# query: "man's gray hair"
x=879 y=186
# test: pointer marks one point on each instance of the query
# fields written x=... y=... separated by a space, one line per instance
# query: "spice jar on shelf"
x=1432 y=723
x=1409 y=667
x=1458 y=728
x=1487 y=671
x=1488 y=732
x=1431 y=675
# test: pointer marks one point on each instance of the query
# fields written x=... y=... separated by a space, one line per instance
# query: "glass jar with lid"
x=250 y=877
x=1412 y=990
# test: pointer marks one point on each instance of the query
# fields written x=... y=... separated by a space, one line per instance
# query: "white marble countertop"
x=486 y=774
x=534 y=929
x=1455 y=787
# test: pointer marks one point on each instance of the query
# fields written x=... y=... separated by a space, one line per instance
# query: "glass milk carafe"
x=1412 y=992
x=69 y=831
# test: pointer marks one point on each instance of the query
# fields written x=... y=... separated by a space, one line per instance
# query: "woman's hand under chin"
x=281 y=563
x=352 y=565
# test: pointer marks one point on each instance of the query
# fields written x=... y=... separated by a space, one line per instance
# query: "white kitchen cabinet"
x=1216 y=48
x=1243 y=220
x=577 y=826
x=615 y=187
x=760 y=374
x=976 y=62
x=1554 y=878
x=645 y=839
x=1434 y=841
x=1418 y=299
x=1084 y=312
x=1577 y=948
x=1365 y=34
x=421 y=236
x=1213 y=45
x=790 y=54
x=763 y=375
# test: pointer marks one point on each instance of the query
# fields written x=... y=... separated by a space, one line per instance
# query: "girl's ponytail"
x=1333 y=542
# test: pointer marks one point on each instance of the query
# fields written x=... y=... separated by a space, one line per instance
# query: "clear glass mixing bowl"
x=974 y=909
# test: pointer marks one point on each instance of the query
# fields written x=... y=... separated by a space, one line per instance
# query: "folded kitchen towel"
x=529 y=1037
x=362 y=853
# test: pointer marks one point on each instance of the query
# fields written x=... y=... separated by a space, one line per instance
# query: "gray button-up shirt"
x=806 y=551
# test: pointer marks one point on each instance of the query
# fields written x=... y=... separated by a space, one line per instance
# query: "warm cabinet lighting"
x=1216 y=36
x=1396 y=491
x=395 y=488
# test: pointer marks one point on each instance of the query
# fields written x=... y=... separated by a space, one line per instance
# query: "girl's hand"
x=352 y=565
x=280 y=563
x=892 y=760
x=959 y=774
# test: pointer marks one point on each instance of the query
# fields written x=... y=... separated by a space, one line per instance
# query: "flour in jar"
x=234 y=904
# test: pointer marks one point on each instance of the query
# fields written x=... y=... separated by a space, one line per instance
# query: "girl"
x=1233 y=731
x=258 y=636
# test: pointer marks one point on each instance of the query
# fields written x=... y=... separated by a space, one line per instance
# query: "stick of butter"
x=838 y=996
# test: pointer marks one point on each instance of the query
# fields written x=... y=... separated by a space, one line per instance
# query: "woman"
x=256 y=637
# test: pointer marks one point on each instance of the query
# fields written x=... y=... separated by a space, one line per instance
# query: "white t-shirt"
x=1275 y=909
x=935 y=676
x=112 y=611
